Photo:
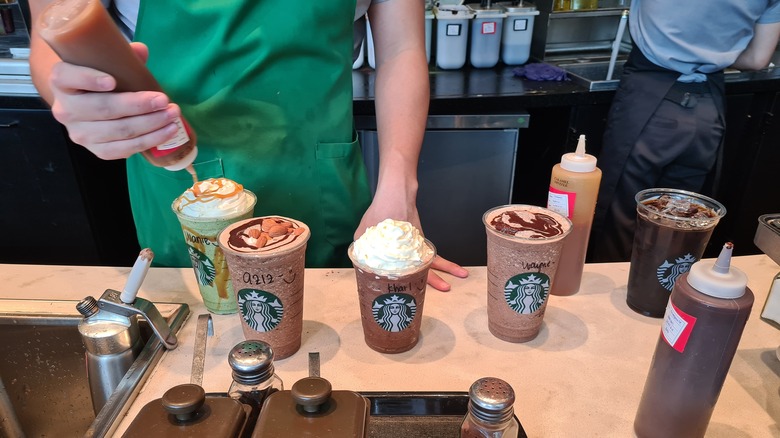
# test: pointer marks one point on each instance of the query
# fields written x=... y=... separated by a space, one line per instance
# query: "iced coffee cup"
x=523 y=249
x=391 y=261
x=267 y=259
x=204 y=210
x=673 y=228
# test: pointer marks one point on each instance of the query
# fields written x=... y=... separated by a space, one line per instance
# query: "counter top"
x=582 y=376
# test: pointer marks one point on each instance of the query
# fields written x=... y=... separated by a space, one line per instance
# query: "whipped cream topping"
x=392 y=246
x=214 y=198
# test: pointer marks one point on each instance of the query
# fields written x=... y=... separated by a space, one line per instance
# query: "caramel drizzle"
x=211 y=194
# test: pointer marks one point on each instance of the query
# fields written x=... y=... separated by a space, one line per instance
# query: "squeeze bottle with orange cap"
x=574 y=187
x=705 y=316
x=81 y=32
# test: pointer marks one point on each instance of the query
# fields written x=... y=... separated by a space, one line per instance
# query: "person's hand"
x=111 y=125
x=379 y=211
x=444 y=265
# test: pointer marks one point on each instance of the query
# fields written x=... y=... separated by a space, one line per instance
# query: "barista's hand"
x=383 y=208
x=111 y=125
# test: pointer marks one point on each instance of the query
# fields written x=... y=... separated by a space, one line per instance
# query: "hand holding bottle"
x=110 y=124
x=82 y=33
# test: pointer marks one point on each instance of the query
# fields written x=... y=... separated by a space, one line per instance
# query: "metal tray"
x=413 y=414
x=767 y=237
x=418 y=414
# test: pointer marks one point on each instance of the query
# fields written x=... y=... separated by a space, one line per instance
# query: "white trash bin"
x=452 y=35
x=518 y=30
x=486 y=29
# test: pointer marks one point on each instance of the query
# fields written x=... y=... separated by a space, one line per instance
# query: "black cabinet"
x=60 y=204
x=746 y=181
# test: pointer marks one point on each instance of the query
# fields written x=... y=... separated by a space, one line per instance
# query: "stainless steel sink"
x=593 y=75
x=42 y=367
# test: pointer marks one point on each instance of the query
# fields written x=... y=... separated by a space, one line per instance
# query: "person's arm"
x=402 y=93
x=111 y=125
x=761 y=48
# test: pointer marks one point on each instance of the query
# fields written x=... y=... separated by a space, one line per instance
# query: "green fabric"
x=267 y=87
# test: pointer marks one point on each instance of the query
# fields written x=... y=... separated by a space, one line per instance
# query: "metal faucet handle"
x=110 y=301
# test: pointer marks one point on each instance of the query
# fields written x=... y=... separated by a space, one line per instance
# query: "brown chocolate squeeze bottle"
x=704 y=320
x=82 y=33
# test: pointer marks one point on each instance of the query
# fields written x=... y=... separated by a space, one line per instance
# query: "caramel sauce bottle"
x=82 y=33
x=574 y=187
x=704 y=320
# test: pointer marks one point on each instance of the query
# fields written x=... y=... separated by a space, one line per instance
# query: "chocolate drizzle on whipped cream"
x=265 y=234
x=532 y=225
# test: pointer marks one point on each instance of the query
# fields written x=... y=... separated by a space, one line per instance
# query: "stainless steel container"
x=113 y=342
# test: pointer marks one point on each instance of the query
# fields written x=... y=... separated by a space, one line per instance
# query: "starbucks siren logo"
x=668 y=273
x=204 y=267
x=394 y=312
x=261 y=310
x=525 y=293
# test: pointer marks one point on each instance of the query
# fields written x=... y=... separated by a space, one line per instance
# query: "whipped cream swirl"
x=214 y=198
x=392 y=246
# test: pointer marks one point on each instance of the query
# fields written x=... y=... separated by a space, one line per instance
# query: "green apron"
x=267 y=86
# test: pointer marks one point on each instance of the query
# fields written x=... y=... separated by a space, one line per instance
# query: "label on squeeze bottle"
x=561 y=201
x=677 y=327
x=178 y=140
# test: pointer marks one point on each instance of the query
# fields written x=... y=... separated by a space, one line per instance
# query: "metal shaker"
x=112 y=341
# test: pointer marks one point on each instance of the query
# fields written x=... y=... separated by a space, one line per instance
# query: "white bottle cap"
x=579 y=161
x=185 y=161
x=718 y=278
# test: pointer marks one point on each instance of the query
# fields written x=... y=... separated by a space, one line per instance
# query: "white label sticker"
x=179 y=139
x=561 y=202
x=453 y=30
x=520 y=24
x=673 y=326
x=677 y=327
x=488 y=27
x=558 y=202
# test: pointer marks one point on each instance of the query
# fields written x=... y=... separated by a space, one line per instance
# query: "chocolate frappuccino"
x=204 y=210
x=266 y=257
x=523 y=248
x=391 y=263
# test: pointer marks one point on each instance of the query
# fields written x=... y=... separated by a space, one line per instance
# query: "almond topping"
x=253 y=233
x=277 y=230
x=268 y=224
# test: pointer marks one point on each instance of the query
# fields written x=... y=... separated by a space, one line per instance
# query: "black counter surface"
x=497 y=90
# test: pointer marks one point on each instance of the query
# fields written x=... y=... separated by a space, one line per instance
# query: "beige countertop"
x=582 y=376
